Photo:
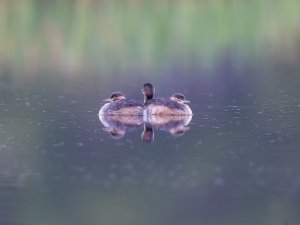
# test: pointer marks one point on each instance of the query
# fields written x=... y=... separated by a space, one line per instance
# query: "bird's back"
x=123 y=107
x=164 y=107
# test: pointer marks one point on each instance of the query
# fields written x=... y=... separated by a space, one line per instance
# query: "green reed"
x=120 y=34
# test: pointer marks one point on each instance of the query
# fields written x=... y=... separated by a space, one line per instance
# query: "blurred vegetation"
x=137 y=34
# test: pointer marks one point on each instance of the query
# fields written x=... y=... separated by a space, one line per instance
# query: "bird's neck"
x=147 y=97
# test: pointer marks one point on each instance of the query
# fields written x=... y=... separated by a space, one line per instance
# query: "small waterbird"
x=175 y=105
x=118 y=104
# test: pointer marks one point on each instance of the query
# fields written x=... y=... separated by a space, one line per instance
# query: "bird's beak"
x=186 y=101
x=107 y=100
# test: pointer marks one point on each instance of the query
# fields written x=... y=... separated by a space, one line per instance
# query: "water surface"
x=237 y=164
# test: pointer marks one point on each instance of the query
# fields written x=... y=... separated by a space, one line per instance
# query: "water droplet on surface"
x=59 y=144
x=80 y=144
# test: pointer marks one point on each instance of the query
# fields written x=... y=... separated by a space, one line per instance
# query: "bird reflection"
x=175 y=125
x=148 y=133
x=118 y=126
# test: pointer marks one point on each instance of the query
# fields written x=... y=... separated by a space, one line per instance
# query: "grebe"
x=175 y=105
x=118 y=104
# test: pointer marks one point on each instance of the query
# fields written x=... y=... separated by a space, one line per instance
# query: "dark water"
x=238 y=163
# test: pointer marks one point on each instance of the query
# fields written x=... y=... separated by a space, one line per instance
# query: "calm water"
x=238 y=163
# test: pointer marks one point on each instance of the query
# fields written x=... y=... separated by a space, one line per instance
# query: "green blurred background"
x=116 y=35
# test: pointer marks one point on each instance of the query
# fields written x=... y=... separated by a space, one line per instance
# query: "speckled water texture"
x=240 y=153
